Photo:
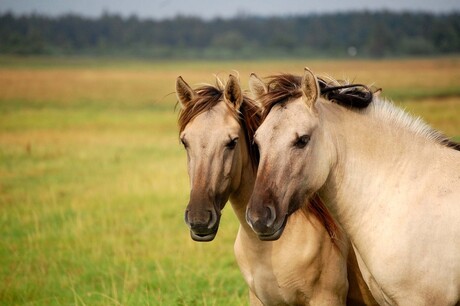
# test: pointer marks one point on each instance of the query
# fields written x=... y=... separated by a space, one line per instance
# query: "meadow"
x=93 y=180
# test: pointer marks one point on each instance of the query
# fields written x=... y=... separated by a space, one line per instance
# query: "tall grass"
x=93 y=181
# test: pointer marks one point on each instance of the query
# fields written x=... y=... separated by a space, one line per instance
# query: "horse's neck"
x=375 y=160
x=240 y=197
x=395 y=193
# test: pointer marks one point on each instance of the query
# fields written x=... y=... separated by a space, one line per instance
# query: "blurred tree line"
x=365 y=34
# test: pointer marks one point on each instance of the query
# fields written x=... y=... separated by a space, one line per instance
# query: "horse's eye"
x=302 y=141
x=232 y=144
x=184 y=143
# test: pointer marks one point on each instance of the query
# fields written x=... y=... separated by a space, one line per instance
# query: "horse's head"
x=212 y=134
x=294 y=160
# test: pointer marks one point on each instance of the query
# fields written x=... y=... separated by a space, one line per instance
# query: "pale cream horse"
x=391 y=181
x=216 y=127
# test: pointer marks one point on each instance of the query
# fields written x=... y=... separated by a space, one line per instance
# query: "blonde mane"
x=387 y=112
x=356 y=97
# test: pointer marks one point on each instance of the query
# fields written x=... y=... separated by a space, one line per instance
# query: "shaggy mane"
x=285 y=87
x=387 y=111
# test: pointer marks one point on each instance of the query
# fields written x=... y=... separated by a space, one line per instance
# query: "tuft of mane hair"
x=320 y=211
x=357 y=96
x=387 y=111
x=284 y=87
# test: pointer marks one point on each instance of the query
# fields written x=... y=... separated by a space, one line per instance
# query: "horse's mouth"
x=203 y=237
x=274 y=235
x=205 y=232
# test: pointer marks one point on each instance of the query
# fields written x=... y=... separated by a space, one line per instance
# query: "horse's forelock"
x=281 y=88
x=207 y=96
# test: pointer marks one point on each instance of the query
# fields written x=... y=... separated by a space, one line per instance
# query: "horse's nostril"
x=271 y=215
x=265 y=219
x=212 y=219
x=248 y=216
x=186 y=217
x=202 y=220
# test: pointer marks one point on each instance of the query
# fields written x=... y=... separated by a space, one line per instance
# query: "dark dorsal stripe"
x=451 y=144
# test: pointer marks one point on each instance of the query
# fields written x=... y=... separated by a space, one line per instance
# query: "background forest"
x=361 y=34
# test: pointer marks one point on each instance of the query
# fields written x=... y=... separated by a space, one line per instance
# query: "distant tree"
x=375 y=34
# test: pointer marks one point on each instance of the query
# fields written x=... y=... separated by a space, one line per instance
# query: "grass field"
x=93 y=181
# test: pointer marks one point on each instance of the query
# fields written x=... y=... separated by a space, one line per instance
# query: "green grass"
x=92 y=213
x=93 y=181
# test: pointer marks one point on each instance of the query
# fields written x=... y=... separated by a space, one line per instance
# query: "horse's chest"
x=276 y=287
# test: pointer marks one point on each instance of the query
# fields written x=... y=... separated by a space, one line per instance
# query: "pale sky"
x=161 y=9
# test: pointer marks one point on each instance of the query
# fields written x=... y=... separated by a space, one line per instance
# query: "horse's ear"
x=310 y=87
x=257 y=86
x=184 y=92
x=233 y=92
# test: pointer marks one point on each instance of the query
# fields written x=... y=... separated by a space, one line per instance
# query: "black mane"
x=356 y=96
x=284 y=87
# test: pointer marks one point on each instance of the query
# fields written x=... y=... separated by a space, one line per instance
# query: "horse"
x=216 y=128
x=391 y=181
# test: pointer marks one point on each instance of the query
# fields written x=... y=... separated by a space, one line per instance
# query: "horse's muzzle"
x=203 y=225
x=263 y=223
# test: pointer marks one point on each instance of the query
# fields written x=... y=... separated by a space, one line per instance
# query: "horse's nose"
x=261 y=220
x=200 y=221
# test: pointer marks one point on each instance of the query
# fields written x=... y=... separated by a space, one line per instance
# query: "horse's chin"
x=203 y=237
x=275 y=235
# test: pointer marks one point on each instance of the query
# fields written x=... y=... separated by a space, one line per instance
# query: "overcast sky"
x=161 y=9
